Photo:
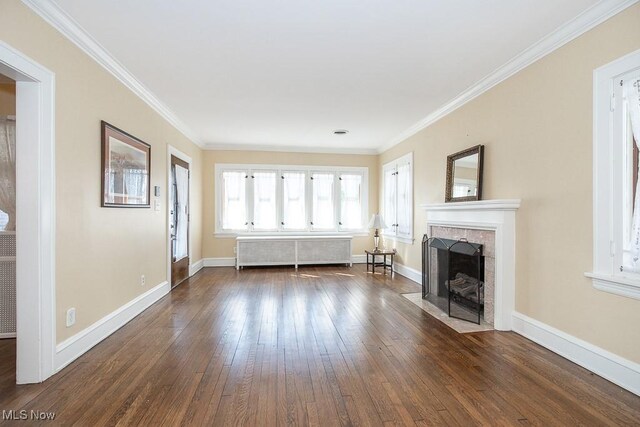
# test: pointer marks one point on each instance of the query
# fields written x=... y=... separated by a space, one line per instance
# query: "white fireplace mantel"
x=496 y=215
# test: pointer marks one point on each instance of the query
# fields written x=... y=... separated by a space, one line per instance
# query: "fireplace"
x=453 y=277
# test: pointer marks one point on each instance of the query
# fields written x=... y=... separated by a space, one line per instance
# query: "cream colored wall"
x=537 y=131
x=7 y=99
x=216 y=247
x=100 y=252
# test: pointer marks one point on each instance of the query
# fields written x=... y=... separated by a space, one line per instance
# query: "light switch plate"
x=157 y=205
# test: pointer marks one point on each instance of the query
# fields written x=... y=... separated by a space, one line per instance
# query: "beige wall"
x=537 y=131
x=100 y=252
x=7 y=99
x=214 y=247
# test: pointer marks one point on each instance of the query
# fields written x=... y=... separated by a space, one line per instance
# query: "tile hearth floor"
x=457 y=325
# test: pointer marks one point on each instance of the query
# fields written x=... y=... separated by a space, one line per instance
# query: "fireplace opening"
x=453 y=277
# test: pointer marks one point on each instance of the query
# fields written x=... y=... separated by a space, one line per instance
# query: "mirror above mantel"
x=464 y=175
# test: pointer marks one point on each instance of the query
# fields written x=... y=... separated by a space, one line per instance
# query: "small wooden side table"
x=380 y=252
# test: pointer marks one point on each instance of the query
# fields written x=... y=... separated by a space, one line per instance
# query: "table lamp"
x=377 y=223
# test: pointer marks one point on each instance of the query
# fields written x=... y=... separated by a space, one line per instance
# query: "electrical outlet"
x=234 y=249
x=71 y=317
x=143 y=281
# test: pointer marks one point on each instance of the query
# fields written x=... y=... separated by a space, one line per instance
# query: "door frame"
x=172 y=151
x=35 y=207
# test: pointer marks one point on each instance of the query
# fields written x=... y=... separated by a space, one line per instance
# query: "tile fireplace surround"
x=492 y=224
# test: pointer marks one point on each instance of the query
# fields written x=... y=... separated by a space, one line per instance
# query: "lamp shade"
x=376 y=221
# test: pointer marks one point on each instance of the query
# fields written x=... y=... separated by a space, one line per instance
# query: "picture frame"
x=126 y=169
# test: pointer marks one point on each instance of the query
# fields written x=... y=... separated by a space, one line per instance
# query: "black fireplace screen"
x=453 y=277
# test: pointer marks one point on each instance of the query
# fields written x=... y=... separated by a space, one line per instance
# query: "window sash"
x=265 y=206
x=323 y=206
x=294 y=201
x=350 y=201
x=234 y=200
x=398 y=197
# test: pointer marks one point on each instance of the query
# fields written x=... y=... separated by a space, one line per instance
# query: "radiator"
x=7 y=284
x=293 y=250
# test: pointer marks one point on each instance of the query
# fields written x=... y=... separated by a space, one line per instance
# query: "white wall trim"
x=195 y=267
x=408 y=272
x=359 y=259
x=75 y=346
x=291 y=149
x=579 y=25
x=65 y=24
x=6 y=335
x=219 y=262
x=35 y=202
x=612 y=367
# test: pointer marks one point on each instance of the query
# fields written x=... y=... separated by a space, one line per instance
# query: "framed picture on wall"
x=126 y=169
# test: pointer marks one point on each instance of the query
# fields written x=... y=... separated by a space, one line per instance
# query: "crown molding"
x=579 y=25
x=65 y=24
x=290 y=149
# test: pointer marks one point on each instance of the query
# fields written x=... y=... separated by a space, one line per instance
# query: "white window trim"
x=219 y=168
x=394 y=164
x=608 y=186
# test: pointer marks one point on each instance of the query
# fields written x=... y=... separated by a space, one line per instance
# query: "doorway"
x=35 y=215
x=7 y=219
x=179 y=176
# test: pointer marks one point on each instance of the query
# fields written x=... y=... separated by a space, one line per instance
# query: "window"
x=350 y=202
x=290 y=199
x=294 y=209
x=398 y=198
x=616 y=203
x=234 y=200
x=323 y=209
x=264 y=201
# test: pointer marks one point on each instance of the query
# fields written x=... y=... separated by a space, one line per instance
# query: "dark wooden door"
x=179 y=220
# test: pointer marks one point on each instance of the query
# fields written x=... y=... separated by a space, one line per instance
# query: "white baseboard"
x=195 y=267
x=408 y=272
x=74 y=347
x=6 y=335
x=219 y=262
x=612 y=367
x=359 y=259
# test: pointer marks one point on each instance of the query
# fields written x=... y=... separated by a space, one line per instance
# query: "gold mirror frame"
x=448 y=197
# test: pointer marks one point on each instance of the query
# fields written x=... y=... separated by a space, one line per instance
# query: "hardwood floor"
x=323 y=346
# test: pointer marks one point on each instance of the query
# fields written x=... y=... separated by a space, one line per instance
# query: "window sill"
x=408 y=240
x=624 y=286
x=231 y=235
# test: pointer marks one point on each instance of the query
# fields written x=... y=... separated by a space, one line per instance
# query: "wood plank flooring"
x=323 y=346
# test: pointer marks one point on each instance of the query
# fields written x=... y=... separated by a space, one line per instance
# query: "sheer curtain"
x=390 y=200
x=323 y=208
x=181 y=203
x=293 y=208
x=264 y=201
x=350 y=202
x=405 y=204
x=8 y=170
x=234 y=209
x=632 y=94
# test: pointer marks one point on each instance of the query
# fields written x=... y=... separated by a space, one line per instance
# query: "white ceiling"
x=287 y=73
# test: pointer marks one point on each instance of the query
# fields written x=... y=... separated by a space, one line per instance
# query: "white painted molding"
x=75 y=346
x=612 y=367
x=7 y=335
x=480 y=205
x=408 y=272
x=616 y=285
x=290 y=149
x=219 y=262
x=579 y=25
x=359 y=259
x=36 y=207
x=65 y=24
x=195 y=267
